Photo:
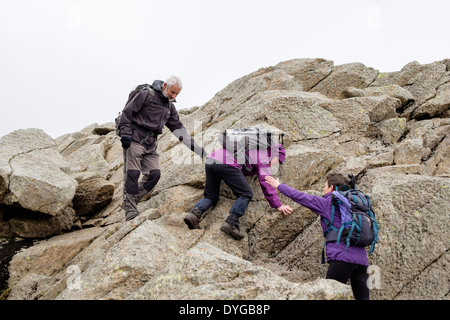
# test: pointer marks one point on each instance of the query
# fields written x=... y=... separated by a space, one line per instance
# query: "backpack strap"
x=329 y=224
x=331 y=231
x=148 y=134
x=375 y=228
x=349 y=237
x=323 y=252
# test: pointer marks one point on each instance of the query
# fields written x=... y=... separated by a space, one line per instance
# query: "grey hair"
x=174 y=80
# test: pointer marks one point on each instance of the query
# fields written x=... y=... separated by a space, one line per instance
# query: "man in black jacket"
x=147 y=111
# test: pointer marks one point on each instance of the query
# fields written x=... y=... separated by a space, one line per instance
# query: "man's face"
x=172 y=92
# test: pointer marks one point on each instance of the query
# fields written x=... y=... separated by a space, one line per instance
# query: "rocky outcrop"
x=391 y=130
x=36 y=186
x=34 y=174
x=45 y=190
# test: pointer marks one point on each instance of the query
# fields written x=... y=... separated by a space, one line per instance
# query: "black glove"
x=126 y=141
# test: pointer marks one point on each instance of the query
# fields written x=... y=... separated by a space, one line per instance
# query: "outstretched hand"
x=286 y=209
x=272 y=181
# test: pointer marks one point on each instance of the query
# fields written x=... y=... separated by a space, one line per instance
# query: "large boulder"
x=394 y=91
x=344 y=76
x=428 y=85
x=208 y=273
x=413 y=224
x=34 y=267
x=30 y=224
x=92 y=195
x=34 y=175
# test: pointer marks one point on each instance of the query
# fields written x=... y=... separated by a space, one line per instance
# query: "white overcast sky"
x=65 y=64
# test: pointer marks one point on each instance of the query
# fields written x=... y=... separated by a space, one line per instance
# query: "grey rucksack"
x=239 y=141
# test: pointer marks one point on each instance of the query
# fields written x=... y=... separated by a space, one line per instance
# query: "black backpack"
x=358 y=223
x=156 y=85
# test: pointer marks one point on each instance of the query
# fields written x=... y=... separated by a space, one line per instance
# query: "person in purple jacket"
x=344 y=263
x=222 y=165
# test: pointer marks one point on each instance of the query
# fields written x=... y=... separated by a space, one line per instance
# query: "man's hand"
x=285 y=209
x=126 y=141
x=272 y=181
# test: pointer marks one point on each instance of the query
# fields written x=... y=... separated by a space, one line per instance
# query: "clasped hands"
x=286 y=209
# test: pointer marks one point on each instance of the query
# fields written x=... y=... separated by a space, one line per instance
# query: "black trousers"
x=233 y=178
x=342 y=271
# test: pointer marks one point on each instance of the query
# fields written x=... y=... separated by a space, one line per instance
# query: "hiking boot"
x=192 y=219
x=232 y=231
x=131 y=215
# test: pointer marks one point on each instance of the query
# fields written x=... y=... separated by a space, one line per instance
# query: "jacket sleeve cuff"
x=275 y=203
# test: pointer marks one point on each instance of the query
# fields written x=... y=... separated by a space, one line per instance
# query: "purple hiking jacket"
x=322 y=206
x=259 y=164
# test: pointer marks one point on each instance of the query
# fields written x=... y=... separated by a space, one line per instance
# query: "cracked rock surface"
x=391 y=130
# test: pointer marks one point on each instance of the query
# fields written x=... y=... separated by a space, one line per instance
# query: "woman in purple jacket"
x=344 y=263
x=222 y=165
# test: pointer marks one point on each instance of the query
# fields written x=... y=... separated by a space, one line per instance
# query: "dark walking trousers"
x=342 y=271
x=139 y=161
x=233 y=178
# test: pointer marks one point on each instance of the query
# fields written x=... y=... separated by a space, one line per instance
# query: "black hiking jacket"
x=145 y=116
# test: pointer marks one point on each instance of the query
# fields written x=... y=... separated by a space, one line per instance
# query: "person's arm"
x=126 y=130
x=270 y=193
x=177 y=128
x=319 y=205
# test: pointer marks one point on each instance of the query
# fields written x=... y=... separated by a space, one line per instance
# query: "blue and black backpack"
x=358 y=224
